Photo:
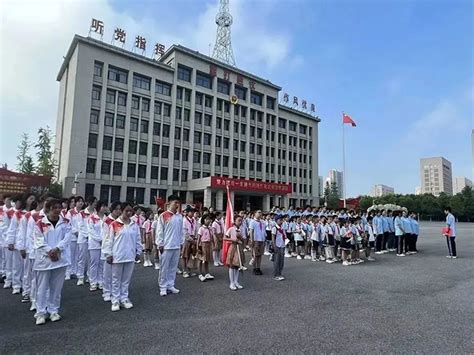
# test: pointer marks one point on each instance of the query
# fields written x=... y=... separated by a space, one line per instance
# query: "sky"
x=402 y=69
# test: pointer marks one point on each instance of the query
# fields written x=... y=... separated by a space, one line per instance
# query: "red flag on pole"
x=229 y=222
x=348 y=119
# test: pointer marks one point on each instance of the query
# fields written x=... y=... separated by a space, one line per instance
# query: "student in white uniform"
x=75 y=218
x=124 y=247
x=7 y=253
x=51 y=238
x=5 y=204
x=115 y=212
x=96 y=265
x=82 y=240
x=169 y=239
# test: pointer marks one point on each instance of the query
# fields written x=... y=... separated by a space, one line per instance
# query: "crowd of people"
x=46 y=240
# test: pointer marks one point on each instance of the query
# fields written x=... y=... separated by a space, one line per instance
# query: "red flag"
x=348 y=119
x=229 y=213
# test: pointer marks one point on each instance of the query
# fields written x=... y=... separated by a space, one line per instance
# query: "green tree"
x=46 y=163
x=24 y=160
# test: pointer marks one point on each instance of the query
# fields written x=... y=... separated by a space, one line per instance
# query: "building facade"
x=134 y=128
x=460 y=182
x=436 y=176
x=335 y=176
x=382 y=190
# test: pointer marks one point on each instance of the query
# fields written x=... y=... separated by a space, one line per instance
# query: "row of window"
x=110 y=193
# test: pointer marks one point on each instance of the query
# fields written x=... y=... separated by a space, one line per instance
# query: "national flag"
x=348 y=119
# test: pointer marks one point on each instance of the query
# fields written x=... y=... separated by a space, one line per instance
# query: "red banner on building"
x=13 y=182
x=250 y=185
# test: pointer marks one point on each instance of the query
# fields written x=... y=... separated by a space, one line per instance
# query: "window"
x=185 y=154
x=177 y=133
x=184 y=73
x=196 y=157
x=256 y=98
x=94 y=117
x=165 y=151
x=206 y=158
x=184 y=175
x=144 y=124
x=218 y=142
x=98 y=68
x=242 y=146
x=134 y=124
x=240 y=92
x=154 y=172
x=292 y=126
x=90 y=166
x=120 y=121
x=270 y=102
x=107 y=145
x=143 y=148
x=175 y=174
x=145 y=105
x=117 y=74
x=198 y=117
x=119 y=144
x=109 y=119
x=164 y=174
x=142 y=171
x=252 y=131
x=187 y=95
x=135 y=102
x=259 y=149
x=186 y=135
x=122 y=99
x=140 y=195
x=157 y=108
x=226 y=125
x=207 y=139
x=132 y=147
x=226 y=106
x=203 y=80
x=196 y=175
x=117 y=171
x=208 y=120
x=155 y=150
x=186 y=114
x=302 y=129
x=242 y=164
x=223 y=87
x=130 y=194
x=235 y=163
x=217 y=161
x=105 y=167
x=96 y=93
x=236 y=127
x=243 y=112
x=197 y=137
x=92 y=140
x=198 y=98
x=156 y=128
x=218 y=123
x=178 y=113
x=166 y=110
x=131 y=170
x=252 y=148
x=243 y=128
x=236 y=144
x=259 y=133
x=226 y=143
x=177 y=154
x=166 y=131
x=163 y=88
x=225 y=161
x=208 y=101
x=141 y=82
x=252 y=165
x=89 y=190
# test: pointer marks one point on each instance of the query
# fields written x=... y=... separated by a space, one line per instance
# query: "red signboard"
x=12 y=182
x=250 y=185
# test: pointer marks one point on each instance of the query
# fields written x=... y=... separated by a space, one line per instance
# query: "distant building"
x=460 y=182
x=436 y=176
x=382 y=190
x=321 y=186
x=418 y=190
x=336 y=176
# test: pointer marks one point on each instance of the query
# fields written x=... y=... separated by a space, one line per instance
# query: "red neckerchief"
x=282 y=232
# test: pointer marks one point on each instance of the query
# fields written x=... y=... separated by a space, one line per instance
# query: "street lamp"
x=76 y=181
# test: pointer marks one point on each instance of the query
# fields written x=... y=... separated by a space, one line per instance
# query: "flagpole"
x=343 y=162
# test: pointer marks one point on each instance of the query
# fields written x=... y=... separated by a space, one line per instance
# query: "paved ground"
x=420 y=303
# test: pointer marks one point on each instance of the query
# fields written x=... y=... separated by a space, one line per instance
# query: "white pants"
x=2 y=262
x=50 y=285
x=82 y=259
x=29 y=279
x=107 y=279
x=72 y=269
x=96 y=267
x=168 y=266
x=121 y=276
x=8 y=254
x=17 y=269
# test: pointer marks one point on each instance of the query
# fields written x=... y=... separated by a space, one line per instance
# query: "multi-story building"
x=460 y=182
x=382 y=190
x=335 y=176
x=135 y=128
x=436 y=176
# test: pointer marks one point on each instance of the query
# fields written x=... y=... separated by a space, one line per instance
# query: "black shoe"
x=259 y=272
x=73 y=277
x=25 y=299
x=2 y=279
x=255 y=271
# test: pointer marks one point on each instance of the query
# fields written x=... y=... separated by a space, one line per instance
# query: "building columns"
x=286 y=201
x=189 y=197
x=207 y=197
x=266 y=202
x=219 y=200
x=276 y=201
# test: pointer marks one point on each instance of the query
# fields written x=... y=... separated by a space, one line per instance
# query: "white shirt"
x=94 y=225
x=170 y=230
x=124 y=242
x=258 y=228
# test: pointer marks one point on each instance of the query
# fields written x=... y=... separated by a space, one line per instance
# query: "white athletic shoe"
x=68 y=277
x=33 y=306
x=8 y=284
x=93 y=288
x=454 y=257
x=209 y=277
x=185 y=274
x=378 y=253
x=330 y=261
x=157 y=266
x=266 y=253
x=449 y=256
x=100 y=286
x=16 y=291
x=251 y=262
x=179 y=271
x=163 y=293
x=126 y=304
x=202 y=278
x=115 y=307
x=401 y=254
x=138 y=261
x=322 y=258
x=239 y=286
x=287 y=256
x=307 y=257
x=220 y=264
x=173 y=290
x=40 y=320
x=80 y=281
x=107 y=298
x=370 y=258
x=233 y=287
x=54 y=317
x=299 y=257
x=345 y=263
x=216 y=264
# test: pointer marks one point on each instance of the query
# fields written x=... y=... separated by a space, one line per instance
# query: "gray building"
x=460 y=182
x=380 y=190
x=134 y=128
x=436 y=176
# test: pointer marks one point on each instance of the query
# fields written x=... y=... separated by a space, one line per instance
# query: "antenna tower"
x=223 y=47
